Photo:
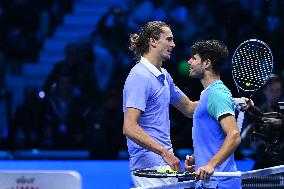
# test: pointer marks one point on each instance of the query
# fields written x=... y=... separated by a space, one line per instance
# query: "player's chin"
x=167 y=57
x=192 y=75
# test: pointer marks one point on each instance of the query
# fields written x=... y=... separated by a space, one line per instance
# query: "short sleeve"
x=136 y=92
x=220 y=102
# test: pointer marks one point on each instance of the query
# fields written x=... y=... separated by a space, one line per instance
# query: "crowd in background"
x=82 y=108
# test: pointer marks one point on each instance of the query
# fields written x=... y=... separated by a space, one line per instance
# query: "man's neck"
x=154 y=60
x=209 y=79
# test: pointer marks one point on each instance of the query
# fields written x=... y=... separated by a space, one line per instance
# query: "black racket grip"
x=255 y=111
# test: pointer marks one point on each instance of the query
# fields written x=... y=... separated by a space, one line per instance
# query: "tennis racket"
x=192 y=175
x=165 y=174
x=252 y=65
x=178 y=174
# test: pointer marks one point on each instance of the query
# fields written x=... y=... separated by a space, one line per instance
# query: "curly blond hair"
x=139 y=41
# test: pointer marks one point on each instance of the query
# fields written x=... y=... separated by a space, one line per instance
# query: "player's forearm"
x=186 y=106
x=189 y=110
x=193 y=105
x=230 y=144
x=140 y=137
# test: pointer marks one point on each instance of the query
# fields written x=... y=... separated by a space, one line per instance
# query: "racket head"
x=252 y=65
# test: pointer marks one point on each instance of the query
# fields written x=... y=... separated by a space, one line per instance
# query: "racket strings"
x=252 y=65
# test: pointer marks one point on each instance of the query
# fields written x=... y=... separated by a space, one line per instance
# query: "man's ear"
x=152 y=42
x=208 y=63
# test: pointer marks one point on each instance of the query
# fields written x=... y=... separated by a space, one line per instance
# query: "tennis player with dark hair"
x=148 y=91
x=215 y=133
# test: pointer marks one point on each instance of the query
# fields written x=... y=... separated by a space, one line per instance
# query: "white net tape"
x=265 y=175
x=180 y=185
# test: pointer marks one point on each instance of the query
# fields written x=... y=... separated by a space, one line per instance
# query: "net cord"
x=263 y=172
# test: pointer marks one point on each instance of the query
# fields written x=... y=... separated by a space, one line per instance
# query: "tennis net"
x=268 y=178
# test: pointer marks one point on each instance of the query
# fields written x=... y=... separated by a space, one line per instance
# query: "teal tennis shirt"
x=207 y=134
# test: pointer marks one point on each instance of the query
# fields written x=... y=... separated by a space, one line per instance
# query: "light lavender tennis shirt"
x=151 y=91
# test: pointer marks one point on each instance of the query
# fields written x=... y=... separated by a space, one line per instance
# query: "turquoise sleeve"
x=220 y=102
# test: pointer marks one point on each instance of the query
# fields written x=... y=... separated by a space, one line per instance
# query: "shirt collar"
x=150 y=67
x=215 y=82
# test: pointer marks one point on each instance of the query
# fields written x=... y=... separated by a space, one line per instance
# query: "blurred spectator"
x=272 y=94
x=142 y=13
x=27 y=125
x=103 y=70
x=81 y=71
x=24 y=24
x=114 y=20
x=71 y=62
x=21 y=43
x=65 y=115
x=104 y=136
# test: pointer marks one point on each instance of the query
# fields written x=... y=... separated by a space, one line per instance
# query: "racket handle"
x=255 y=111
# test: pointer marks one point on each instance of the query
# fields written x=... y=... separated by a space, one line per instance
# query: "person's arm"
x=241 y=105
x=231 y=142
x=132 y=130
x=186 y=106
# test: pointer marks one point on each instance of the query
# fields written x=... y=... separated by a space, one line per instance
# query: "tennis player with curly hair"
x=148 y=91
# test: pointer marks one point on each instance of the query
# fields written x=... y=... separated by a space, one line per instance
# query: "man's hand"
x=171 y=160
x=249 y=103
x=243 y=103
x=205 y=172
x=189 y=163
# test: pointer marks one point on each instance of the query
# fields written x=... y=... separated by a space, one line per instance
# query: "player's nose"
x=189 y=61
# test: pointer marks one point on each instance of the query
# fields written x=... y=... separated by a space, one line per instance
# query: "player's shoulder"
x=138 y=74
x=140 y=70
x=219 y=89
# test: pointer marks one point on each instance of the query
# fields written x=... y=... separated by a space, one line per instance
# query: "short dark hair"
x=139 y=41
x=214 y=50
